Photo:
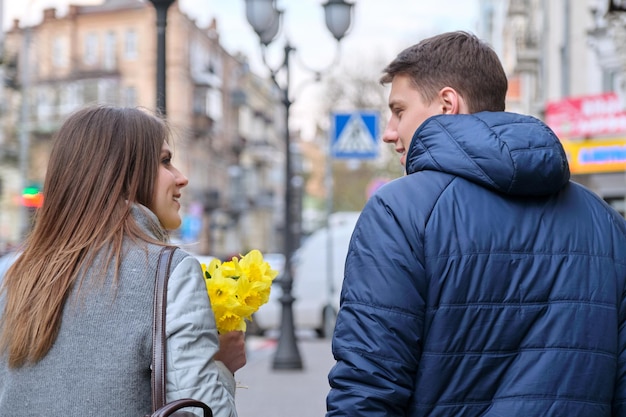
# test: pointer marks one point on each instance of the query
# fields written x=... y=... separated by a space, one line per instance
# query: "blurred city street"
x=265 y=392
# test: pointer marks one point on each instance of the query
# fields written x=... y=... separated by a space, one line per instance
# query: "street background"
x=265 y=392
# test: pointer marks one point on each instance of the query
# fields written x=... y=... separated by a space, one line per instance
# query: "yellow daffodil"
x=238 y=288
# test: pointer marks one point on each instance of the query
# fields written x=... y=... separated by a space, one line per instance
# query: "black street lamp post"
x=161 y=7
x=265 y=18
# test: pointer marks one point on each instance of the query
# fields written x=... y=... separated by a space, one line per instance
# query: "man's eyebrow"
x=393 y=103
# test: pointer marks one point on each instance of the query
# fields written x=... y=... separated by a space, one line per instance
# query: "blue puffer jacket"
x=483 y=283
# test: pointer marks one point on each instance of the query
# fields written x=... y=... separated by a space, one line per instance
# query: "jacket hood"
x=510 y=153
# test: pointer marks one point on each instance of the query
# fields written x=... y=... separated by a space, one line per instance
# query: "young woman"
x=76 y=324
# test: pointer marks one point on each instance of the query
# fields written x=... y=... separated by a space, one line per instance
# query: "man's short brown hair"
x=459 y=60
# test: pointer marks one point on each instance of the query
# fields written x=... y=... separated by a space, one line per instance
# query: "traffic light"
x=32 y=197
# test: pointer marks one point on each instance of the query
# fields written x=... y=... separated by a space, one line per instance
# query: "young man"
x=484 y=282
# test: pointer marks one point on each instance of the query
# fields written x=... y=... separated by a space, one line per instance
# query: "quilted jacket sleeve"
x=380 y=323
x=619 y=397
x=192 y=342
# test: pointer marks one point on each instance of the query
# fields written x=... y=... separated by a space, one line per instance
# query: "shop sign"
x=596 y=156
x=586 y=116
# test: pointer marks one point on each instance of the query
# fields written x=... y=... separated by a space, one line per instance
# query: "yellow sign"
x=595 y=156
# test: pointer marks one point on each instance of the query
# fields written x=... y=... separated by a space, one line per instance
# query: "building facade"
x=107 y=54
x=566 y=63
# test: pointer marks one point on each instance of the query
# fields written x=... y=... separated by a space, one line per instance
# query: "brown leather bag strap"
x=158 y=327
x=175 y=406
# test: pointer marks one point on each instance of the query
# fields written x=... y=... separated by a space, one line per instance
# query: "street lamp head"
x=338 y=17
x=260 y=14
x=267 y=36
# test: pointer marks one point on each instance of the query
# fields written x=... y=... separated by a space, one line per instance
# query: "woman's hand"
x=232 y=350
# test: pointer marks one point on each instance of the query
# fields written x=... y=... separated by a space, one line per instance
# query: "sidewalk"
x=284 y=393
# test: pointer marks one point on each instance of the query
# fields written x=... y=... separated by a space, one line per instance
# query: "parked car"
x=318 y=267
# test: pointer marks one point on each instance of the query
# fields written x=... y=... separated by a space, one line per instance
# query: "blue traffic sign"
x=354 y=135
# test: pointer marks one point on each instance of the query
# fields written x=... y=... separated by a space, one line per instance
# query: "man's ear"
x=452 y=102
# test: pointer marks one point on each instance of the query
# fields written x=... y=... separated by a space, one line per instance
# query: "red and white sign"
x=586 y=116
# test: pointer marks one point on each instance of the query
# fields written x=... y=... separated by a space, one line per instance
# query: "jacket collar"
x=148 y=222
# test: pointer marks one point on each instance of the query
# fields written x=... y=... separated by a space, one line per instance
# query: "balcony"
x=527 y=60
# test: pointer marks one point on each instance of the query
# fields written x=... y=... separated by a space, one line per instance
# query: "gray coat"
x=99 y=364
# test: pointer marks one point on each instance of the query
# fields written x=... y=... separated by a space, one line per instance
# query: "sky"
x=380 y=28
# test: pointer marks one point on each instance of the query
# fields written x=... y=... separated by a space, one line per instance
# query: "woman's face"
x=167 y=191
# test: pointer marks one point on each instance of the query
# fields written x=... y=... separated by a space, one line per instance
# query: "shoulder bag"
x=159 y=408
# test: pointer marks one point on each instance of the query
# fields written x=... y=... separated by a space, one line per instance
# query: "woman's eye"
x=166 y=161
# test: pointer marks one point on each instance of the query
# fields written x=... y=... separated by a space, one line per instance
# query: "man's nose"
x=390 y=135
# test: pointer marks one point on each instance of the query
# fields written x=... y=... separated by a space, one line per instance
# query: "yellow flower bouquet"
x=237 y=288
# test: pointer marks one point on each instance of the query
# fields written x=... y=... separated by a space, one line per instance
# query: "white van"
x=318 y=267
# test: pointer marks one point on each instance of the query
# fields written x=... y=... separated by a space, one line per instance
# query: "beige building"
x=107 y=54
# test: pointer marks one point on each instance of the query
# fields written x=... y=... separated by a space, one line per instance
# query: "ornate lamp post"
x=265 y=18
x=161 y=7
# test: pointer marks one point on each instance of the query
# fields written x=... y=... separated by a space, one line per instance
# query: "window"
x=90 y=53
x=69 y=98
x=214 y=104
x=108 y=91
x=129 y=96
x=90 y=91
x=199 y=102
x=109 y=51
x=130 y=44
x=197 y=57
x=59 y=52
x=45 y=104
x=216 y=64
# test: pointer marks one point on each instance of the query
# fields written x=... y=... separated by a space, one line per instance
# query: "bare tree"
x=354 y=88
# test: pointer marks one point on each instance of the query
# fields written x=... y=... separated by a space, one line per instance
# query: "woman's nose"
x=182 y=180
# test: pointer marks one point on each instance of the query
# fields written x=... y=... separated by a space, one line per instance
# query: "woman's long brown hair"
x=103 y=158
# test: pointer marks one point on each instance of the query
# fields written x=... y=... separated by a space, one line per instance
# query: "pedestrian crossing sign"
x=354 y=135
